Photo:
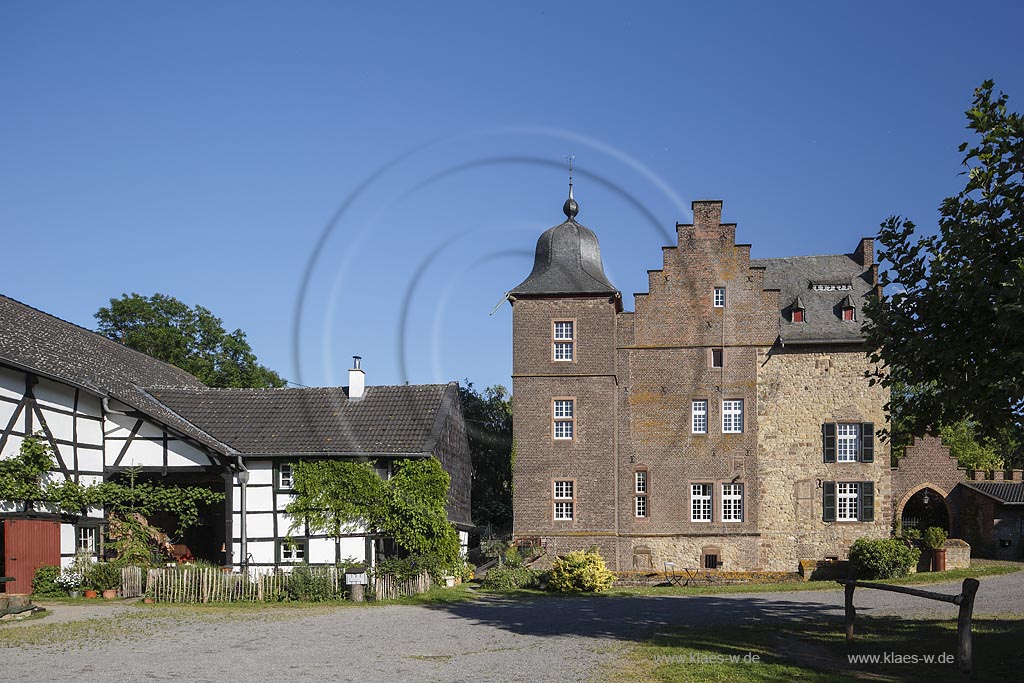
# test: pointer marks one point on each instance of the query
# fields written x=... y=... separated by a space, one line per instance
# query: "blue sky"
x=392 y=165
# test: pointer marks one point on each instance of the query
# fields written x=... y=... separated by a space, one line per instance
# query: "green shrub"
x=934 y=537
x=882 y=558
x=911 y=534
x=44 y=583
x=312 y=584
x=509 y=578
x=580 y=572
x=103 y=576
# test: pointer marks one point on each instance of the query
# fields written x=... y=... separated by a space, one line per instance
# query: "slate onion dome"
x=567 y=261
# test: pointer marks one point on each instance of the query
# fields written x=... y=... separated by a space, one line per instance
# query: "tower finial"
x=570 y=208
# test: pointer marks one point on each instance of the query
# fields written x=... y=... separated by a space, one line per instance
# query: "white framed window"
x=285 y=476
x=86 y=539
x=563 y=339
x=640 y=506
x=719 y=297
x=732 y=416
x=564 y=417
x=732 y=502
x=699 y=417
x=847 y=442
x=700 y=502
x=640 y=481
x=293 y=552
x=564 y=495
x=847 y=494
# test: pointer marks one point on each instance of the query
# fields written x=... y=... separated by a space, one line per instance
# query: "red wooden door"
x=28 y=545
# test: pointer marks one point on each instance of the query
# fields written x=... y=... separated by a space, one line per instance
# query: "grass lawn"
x=819 y=652
x=979 y=571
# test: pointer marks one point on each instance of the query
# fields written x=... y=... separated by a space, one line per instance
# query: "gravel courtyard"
x=491 y=639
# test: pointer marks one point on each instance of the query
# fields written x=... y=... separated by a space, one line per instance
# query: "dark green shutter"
x=828 y=438
x=867 y=502
x=828 y=501
x=867 y=442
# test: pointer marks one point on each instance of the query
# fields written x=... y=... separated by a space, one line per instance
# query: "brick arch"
x=920 y=487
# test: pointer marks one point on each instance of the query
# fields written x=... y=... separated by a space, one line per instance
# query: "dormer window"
x=796 y=311
x=846 y=309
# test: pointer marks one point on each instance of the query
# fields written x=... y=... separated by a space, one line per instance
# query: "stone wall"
x=800 y=389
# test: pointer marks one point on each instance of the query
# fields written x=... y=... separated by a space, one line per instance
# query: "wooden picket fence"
x=132 y=585
x=387 y=587
x=206 y=584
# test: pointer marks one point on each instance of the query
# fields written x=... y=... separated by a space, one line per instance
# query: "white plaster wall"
x=260 y=472
x=53 y=394
x=12 y=384
x=182 y=454
x=67 y=539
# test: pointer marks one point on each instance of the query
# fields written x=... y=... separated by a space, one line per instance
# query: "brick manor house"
x=725 y=423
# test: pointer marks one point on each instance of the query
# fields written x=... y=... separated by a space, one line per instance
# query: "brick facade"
x=634 y=380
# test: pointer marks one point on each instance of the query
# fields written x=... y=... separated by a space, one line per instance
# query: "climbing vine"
x=25 y=478
x=335 y=496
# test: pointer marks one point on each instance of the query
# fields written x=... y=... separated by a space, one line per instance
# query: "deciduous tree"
x=951 y=323
x=192 y=338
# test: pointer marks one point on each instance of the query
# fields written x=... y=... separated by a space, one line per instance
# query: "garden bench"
x=22 y=603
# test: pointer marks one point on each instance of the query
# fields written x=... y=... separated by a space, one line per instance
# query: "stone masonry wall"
x=800 y=389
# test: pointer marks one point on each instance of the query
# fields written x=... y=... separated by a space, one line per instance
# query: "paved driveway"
x=543 y=639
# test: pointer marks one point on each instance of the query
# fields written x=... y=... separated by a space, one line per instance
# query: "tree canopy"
x=489 y=427
x=192 y=338
x=950 y=325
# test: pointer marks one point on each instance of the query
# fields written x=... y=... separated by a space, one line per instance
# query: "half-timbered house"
x=106 y=409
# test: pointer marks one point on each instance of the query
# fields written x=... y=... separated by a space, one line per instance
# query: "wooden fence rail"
x=963 y=625
x=208 y=584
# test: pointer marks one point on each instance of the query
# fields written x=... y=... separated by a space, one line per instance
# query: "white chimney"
x=356 y=378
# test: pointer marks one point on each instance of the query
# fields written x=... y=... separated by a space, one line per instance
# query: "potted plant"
x=70 y=580
x=935 y=538
x=105 y=577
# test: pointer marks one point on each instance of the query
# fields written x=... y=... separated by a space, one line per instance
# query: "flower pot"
x=110 y=594
x=148 y=601
x=74 y=594
x=938 y=559
x=90 y=593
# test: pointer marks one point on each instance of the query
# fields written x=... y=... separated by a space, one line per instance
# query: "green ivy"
x=333 y=496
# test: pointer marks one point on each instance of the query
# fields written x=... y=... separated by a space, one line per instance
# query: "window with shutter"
x=828 y=432
x=828 y=501
x=867 y=502
x=867 y=442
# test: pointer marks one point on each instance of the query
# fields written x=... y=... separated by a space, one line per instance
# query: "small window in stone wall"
x=711 y=557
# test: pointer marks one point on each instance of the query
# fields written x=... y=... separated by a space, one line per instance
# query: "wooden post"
x=851 y=611
x=963 y=626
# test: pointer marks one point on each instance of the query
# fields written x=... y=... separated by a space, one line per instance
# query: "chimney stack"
x=356 y=378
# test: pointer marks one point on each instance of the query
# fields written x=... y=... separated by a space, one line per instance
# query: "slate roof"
x=1005 y=492
x=38 y=342
x=385 y=420
x=567 y=261
x=796 y=277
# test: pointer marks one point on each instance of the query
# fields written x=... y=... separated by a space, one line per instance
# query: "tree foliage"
x=489 y=427
x=950 y=323
x=336 y=496
x=192 y=338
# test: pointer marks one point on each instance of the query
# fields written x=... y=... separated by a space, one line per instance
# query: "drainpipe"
x=243 y=479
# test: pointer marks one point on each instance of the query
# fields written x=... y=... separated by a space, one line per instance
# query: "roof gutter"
x=337 y=454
